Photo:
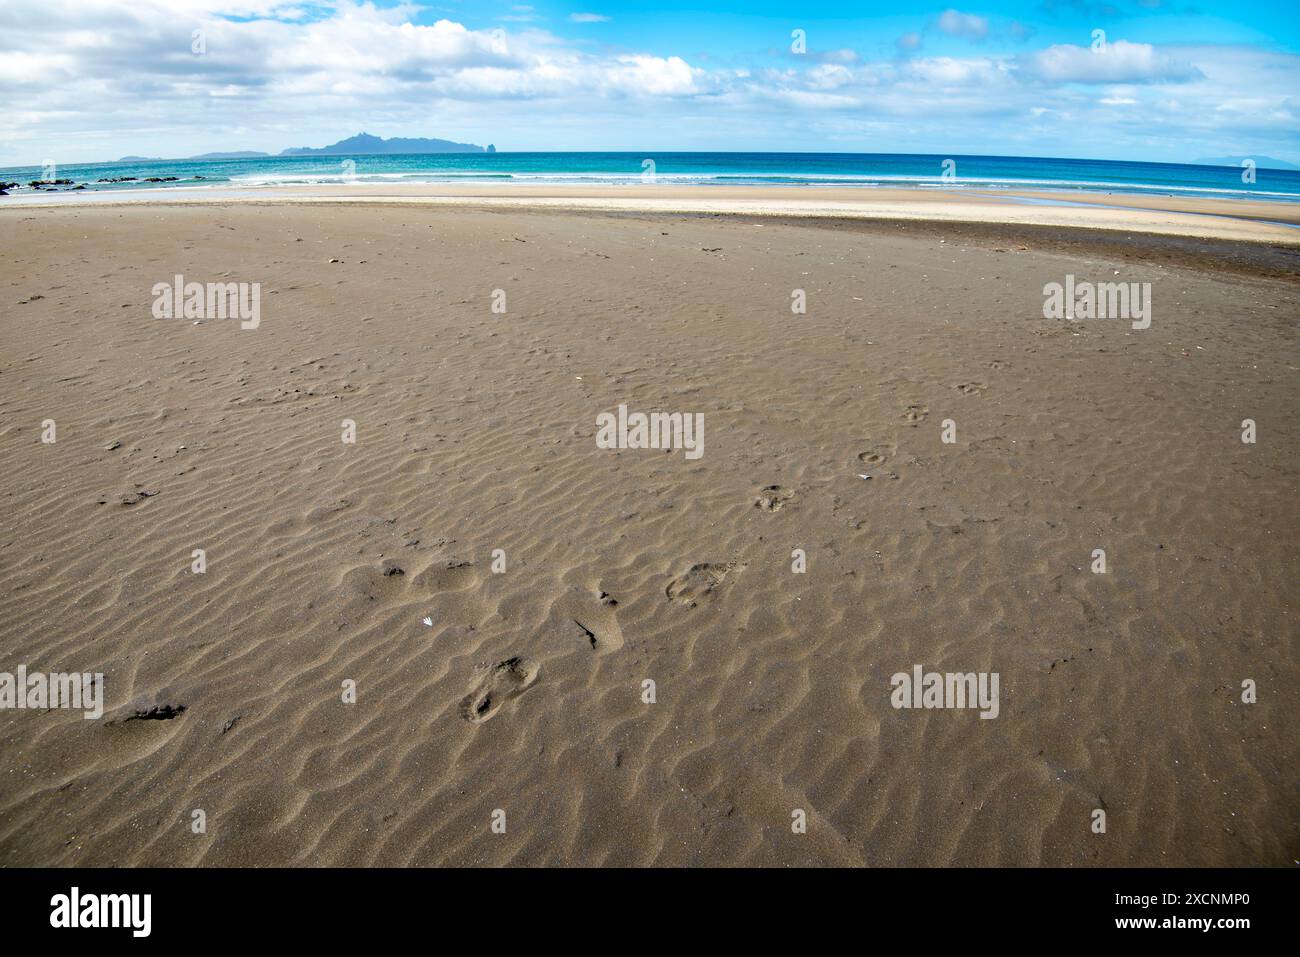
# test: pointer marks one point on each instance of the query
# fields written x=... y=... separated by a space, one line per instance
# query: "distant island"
x=1262 y=162
x=363 y=144
x=238 y=154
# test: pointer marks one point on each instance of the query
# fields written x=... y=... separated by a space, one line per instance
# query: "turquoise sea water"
x=794 y=170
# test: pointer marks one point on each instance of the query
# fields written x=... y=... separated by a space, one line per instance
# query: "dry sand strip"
x=1258 y=221
x=557 y=578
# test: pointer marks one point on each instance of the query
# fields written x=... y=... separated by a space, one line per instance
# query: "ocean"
x=794 y=170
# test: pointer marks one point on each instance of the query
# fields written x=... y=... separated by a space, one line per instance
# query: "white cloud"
x=828 y=76
x=947 y=71
x=658 y=76
x=1118 y=62
x=588 y=18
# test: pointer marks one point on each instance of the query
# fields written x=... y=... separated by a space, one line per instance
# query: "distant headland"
x=363 y=144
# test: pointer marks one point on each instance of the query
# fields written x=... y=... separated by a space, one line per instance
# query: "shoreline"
x=1238 y=220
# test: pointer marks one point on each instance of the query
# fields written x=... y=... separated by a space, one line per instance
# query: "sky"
x=1163 y=80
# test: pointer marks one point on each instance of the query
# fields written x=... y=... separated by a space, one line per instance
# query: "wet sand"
x=476 y=442
x=1076 y=210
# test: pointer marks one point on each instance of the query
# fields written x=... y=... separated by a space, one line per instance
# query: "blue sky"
x=1176 y=81
x=740 y=30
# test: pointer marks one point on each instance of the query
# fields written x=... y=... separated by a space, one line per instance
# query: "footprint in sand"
x=589 y=615
x=772 y=498
x=915 y=413
x=970 y=388
x=876 y=456
x=699 y=581
x=370 y=583
x=447 y=574
x=145 y=712
x=508 y=679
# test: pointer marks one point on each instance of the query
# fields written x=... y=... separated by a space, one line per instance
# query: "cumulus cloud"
x=1118 y=62
x=947 y=72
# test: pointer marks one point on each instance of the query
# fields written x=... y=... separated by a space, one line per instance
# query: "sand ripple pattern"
x=524 y=689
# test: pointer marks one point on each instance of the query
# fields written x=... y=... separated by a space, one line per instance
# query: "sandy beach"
x=1275 y=222
x=497 y=588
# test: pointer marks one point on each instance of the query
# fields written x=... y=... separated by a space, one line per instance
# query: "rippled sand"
x=524 y=694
